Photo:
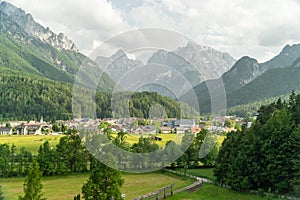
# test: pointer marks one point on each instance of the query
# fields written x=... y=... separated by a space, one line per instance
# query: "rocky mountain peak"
x=285 y=58
x=193 y=46
x=119 y=55
x=28 y=25
x=292 y=51
x=208 y=61
x=245 y=70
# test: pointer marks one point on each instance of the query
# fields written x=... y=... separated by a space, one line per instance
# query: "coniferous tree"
x=266 y=156
x=33 y=185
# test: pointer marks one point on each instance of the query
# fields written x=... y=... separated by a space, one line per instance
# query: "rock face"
x=117 y=65
x=196 y=62
x=209 y=62
x=19 y=24
x=170 y=73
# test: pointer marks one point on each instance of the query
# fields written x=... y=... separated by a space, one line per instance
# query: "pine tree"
x=33 y=185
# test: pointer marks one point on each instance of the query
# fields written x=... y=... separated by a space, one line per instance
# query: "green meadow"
x=212 y=192
x=66 y=187
x=30 y=142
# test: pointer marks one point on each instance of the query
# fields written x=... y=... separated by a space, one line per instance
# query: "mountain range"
x=28 y=49
x=178 y=70
x=249 y=81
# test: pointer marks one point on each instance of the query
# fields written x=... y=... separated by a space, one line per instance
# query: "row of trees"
x=76 y=154
x=266 y=156
x=194 y=150
x=68 y=156
x=13 y=163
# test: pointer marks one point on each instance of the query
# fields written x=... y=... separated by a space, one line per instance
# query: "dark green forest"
x=265 y=157
x=30 y=97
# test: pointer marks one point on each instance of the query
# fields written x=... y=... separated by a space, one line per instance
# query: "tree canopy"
x=266 y=156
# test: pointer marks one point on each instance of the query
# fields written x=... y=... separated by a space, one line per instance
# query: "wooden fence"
x=162 y=193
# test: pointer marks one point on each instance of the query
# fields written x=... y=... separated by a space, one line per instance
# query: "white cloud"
x=83 y=21
x=150 y=15
x=241 y=27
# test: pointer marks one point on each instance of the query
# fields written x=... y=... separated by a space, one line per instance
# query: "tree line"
x=75 y=154
x=265 y=157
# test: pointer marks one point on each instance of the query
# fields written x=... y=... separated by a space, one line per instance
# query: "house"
x=184 y=123
x=34 y=129
x=116 y=128
x=180 y=130
x=137 y=129
x=195 y=129
x=151 y=129
x=21 y=129
x=5 y=131
x=166 y=129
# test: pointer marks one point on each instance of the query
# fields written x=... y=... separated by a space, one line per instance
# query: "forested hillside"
x=30 y=97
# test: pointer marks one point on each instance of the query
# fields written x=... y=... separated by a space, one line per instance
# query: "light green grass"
x=200 y=172
x=203 y=173
x=66 y=187
x=134 y=138
x=212 y=192
x=30 y=142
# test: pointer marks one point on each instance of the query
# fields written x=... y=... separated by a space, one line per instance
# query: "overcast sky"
x=257 y=28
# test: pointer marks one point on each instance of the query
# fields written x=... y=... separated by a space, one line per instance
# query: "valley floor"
x=66 y=187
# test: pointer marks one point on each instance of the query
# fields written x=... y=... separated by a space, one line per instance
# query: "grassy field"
x=200 y=172
x=212 y=192
x=31 y=142
x=66 y=187
x=134 y=138
x=203 y=173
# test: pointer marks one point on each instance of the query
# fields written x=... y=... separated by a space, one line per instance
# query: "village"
x=219 y=124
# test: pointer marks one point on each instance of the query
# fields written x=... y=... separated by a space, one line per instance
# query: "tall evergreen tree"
x=33 y=185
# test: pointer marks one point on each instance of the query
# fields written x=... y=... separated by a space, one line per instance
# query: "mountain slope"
x=284 y=59
x=25 y=23
x=249 y=81
x=27 y=47
x=272 y=83
x=27 y=98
